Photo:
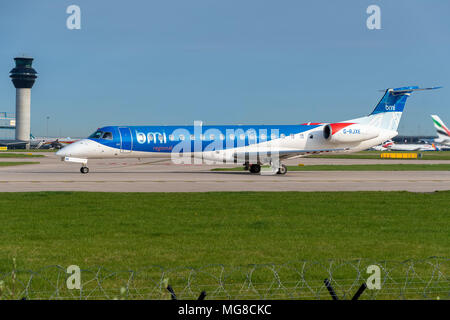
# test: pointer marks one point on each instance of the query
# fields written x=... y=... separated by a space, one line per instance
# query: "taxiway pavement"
x=132 y=175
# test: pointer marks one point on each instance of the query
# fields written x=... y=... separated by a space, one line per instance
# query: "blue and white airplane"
x=251 y=146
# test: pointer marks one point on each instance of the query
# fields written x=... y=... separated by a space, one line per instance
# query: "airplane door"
x=126 y=141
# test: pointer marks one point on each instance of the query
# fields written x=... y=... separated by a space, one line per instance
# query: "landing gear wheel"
x=282 y=169
x=255 y=168
x=246 y=166
x=84 y=170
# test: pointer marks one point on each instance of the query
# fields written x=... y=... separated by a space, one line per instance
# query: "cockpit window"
x=96 y=135
x=107 y=136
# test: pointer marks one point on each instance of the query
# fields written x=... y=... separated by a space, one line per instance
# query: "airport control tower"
x=23 y=77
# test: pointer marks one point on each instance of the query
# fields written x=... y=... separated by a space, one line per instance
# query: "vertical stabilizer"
x=388 y=111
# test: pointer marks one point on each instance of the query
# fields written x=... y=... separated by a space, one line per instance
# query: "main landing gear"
x=282 y=169
x=256 y=168
x=84 y=169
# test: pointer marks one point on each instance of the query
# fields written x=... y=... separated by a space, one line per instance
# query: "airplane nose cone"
x=61 y=153
x=75 y=149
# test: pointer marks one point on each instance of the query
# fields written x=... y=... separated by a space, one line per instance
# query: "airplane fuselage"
x=215 y=143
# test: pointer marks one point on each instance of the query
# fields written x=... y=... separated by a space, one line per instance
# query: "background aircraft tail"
x=388 y=144
x=442 y=131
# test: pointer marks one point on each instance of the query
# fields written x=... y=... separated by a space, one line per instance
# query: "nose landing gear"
x=84 y=169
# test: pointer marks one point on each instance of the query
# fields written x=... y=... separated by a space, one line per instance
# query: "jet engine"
x=349 y=132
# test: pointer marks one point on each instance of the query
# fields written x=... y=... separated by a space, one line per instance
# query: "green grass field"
x=130 y=231
x=124 y=230
x=15 y=163
x=20 y=155
x=359 y=167
x=27 y=150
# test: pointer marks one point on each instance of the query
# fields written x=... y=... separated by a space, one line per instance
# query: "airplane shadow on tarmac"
x=94 y=172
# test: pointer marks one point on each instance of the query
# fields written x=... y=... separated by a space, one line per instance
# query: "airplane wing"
x=282 y=154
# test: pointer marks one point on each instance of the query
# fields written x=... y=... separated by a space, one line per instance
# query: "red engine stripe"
x=335 y=127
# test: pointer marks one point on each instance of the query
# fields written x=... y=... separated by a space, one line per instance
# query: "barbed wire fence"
x=410 y=279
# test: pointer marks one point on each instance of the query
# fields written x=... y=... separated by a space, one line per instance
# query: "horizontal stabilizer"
x=404 y=90
x=394 y=99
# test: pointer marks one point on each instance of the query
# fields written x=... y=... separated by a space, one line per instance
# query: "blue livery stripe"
x=165 y=138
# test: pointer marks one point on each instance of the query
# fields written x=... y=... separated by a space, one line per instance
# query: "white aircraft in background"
x=442 y=131
x=384 y=146
x=49 y=143
x=391 y=145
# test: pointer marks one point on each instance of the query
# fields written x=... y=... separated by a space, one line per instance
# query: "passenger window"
x=107 y=136
x=192 y=137
x=242 y=137
x=222 y=137
x=171 y=137
x=292 y=135
x=273 y=136
x=232 y=136
x=311 y=136
x=282 y=135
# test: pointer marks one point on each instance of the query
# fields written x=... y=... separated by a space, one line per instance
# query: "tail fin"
x=442 y=130
x=393 y=100
x=388 y=112
x=388 y=144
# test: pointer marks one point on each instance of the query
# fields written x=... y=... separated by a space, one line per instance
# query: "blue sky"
x=224 y=61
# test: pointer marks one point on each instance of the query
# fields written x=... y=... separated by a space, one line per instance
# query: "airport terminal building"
x=7 y=125
x=8 y=131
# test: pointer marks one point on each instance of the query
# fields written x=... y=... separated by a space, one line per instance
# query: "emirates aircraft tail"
x=442 y=131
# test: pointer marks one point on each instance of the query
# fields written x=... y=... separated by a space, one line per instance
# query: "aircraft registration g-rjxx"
x=251 y=146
